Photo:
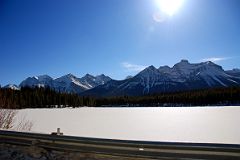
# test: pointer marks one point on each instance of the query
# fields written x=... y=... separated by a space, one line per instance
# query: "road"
x=124 y=148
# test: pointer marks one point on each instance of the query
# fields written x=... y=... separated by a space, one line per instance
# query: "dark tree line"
x=41 y=98
x=47 y=98
x=215 y=96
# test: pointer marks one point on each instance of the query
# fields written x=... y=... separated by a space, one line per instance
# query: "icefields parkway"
x=182 y=124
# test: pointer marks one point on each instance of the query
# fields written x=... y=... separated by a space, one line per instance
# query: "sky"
x=114 y=37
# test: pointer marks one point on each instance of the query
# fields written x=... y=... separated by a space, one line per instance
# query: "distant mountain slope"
x=67 y=83
x=91 y=81
x=182 y=76
x=37 y=81
x=12 y=86
x=70 y=84
x=234 y=72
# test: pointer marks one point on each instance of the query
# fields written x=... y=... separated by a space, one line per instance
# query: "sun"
x=169 y=7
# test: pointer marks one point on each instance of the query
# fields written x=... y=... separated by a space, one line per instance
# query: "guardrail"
x=125 y=148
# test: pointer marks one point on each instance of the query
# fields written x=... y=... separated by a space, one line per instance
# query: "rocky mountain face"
x=182 y=76
x=12 y=86
x=234 y=72
x=67 y=83
x=37 y=81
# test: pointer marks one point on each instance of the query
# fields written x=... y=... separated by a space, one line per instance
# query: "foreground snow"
x=198 y=124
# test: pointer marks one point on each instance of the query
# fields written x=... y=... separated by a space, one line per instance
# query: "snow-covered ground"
x=197 y=124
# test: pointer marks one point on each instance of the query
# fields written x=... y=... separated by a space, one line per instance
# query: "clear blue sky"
x=114 y=37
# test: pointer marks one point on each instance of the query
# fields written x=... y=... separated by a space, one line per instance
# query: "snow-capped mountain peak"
x=101 y=76
x=68 y=76
x=149 y=70
x=184 y=67
x=30 y=82
x=164 y=69
x=211 y=65
x=102 y=79
x=37 y=81
x=44 y=78
x=88 y=76
x=91 y=81
x=152 y=68
x=12 y=86
x=182 y=76
x=184 y=61
x=67 y=83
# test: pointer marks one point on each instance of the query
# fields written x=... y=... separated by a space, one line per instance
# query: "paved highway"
x=125 y=148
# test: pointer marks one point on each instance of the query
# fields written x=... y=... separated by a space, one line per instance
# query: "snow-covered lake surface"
x=185 y=124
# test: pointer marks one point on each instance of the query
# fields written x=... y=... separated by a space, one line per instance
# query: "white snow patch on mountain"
x=12 y=86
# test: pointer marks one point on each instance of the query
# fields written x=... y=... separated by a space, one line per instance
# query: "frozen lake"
x=197 y=124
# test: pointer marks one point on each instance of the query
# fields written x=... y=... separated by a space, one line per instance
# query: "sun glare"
x=169 y=7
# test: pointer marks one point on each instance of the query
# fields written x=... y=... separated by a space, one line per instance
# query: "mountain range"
x=67 y=83
x=182 y=76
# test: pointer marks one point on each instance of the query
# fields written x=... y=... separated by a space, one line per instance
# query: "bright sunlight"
x=169 y=7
